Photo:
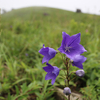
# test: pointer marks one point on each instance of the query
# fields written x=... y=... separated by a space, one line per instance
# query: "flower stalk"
x=67 y=76
x=72 y=49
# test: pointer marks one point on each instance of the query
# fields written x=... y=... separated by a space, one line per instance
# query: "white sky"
x=87 y=6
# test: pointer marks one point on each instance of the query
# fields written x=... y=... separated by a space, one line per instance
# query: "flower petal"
x=53 y=80
x=76 y=50
x=61 y=49
x=56 y=70
x=52 y=52
x=78 y=60
x=50 y=76
x=66 y=39
x=44 y=51
x=48 y=68
x=75 y=39
x=79 y=65
x=45 y=59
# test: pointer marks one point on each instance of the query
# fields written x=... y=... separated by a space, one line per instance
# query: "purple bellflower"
x=26 y=54
x=78 y=60
x=80 y=73
x=52 y=72
x=70 y=45
x=48 y=53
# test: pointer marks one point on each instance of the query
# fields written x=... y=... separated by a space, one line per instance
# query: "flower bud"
x=67 y=91
x=26 y=54
x=80 y=73
x=65 y=81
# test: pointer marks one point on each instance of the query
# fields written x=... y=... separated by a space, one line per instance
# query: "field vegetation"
x=22 y=34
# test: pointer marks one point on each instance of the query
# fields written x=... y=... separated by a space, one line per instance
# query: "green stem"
x=67 y=76
x=21 y=95
x=68 y=80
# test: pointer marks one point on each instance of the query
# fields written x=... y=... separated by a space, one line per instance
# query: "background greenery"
x=24 y=31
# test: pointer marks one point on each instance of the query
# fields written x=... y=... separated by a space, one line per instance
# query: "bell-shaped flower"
x=80 y=73
x=70 y=45
x=78 y=60
x=67 y=91
x=48 y=53
x=52 y=72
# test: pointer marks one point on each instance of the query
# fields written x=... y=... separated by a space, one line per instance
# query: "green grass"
x=24 y=31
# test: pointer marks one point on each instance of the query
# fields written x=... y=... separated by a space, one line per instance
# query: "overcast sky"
x=87 y=6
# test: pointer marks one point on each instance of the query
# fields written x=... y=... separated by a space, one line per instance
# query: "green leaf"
x=24 y=87
x=17 y=90
x=2 y=98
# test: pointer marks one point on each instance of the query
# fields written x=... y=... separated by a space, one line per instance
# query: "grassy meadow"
x=22 y=34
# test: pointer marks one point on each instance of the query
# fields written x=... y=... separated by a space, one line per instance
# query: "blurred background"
x=25 y=25
x=87 y=6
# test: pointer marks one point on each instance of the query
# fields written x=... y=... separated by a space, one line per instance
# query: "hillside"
x=25 y=30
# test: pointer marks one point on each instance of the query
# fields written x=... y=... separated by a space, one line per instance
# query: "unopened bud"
x=67 y=91
x=65 y=80
x=80 y=73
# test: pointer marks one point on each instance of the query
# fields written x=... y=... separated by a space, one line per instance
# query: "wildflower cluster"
x=72 y=48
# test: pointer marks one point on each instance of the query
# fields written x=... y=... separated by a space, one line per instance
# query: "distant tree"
x=4 y=11
x=12 y=9
x=78 y=10
x=45 y=14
